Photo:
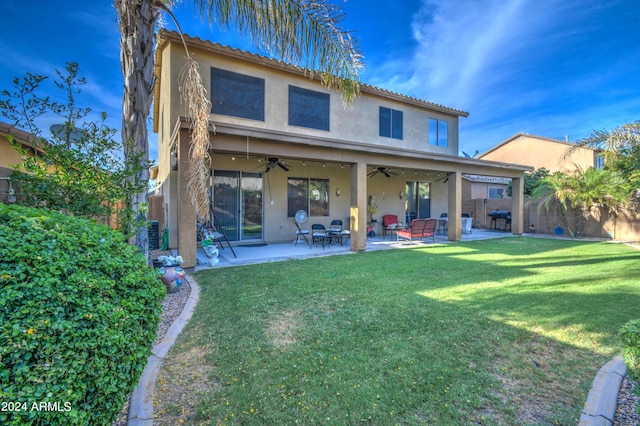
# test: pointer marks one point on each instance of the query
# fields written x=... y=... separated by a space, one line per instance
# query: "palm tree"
x=582 y=190
x=551 y=193
x=620 y=150
x=615 y=143
x=304 y=32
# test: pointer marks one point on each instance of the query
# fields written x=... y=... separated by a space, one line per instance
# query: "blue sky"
x=547 y=67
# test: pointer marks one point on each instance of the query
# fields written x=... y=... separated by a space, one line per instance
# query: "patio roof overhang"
x=243 y=140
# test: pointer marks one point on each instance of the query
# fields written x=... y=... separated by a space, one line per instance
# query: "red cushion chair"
x=388 y=224
x=419 y=229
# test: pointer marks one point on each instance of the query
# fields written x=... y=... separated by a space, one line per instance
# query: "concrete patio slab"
x=277 y=252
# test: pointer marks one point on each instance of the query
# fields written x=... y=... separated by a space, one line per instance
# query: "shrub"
x=79 y=167
x=630 y=337
x=79 y=309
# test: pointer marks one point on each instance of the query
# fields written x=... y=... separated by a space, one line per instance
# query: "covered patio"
x=278 y=252
x=355 y=176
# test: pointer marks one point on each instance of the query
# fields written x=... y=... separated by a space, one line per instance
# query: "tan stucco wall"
x=539 y=152
x=167 y=180
x=478 y=190
x=278 y=227
x=9 y=157
x=357 y=123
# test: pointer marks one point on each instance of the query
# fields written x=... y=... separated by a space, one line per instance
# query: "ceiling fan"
x=273 y=162
x=384 y=170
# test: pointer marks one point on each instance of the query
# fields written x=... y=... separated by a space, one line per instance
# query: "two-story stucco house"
x=282 y=142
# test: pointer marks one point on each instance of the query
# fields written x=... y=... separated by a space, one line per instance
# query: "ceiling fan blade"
x=283 y=167
x=386 y=173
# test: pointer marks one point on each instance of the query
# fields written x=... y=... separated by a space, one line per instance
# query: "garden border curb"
x=602 y=401
x=141 y=405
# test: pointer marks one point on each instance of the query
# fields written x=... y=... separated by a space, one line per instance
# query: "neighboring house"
x=539 y=151
x=9 y=158
x=483 y=194
x=489 y=187
x=282 y=142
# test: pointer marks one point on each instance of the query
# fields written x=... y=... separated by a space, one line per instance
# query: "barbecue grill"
x=500 y=214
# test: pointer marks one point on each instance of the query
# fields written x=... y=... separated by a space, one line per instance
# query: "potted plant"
x=171 y=260
x=171 y=274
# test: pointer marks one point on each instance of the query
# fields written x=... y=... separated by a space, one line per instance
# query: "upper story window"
x=308 y=108
x=438 y=132
x=237 y=95
x=390 y=123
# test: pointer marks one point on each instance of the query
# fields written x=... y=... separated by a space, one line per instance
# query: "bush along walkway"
x=141 y=405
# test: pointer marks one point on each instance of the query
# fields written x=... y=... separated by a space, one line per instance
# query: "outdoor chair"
x=389 y=224
x=443 y=223
x=302 y=233
x=318 y=234
x=334 y=233
x=430 y=229
x=419 y=229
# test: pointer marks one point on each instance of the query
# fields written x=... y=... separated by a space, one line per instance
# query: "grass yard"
x=497 y=332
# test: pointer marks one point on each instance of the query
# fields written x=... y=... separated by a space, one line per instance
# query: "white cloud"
x=467 y=47
x=540 y=66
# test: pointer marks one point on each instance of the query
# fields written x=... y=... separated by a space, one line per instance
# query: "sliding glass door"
x=418 y=200
x=251 y=199
x=237 y=200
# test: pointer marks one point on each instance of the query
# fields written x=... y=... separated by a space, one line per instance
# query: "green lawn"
x=497 y=332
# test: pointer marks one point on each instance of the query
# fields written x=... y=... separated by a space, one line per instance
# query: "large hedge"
x=79 y=309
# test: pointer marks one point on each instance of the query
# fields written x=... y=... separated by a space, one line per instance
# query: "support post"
x=186 y=213
x=358 y=210
x=455 y=206
x=517 y=205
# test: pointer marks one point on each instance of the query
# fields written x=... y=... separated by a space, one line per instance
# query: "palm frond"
x=614 y=142
x=303 y=32
x=198 y=110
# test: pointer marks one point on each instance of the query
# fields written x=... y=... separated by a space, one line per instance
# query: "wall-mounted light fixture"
x=337 y=192
x=400 y=195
